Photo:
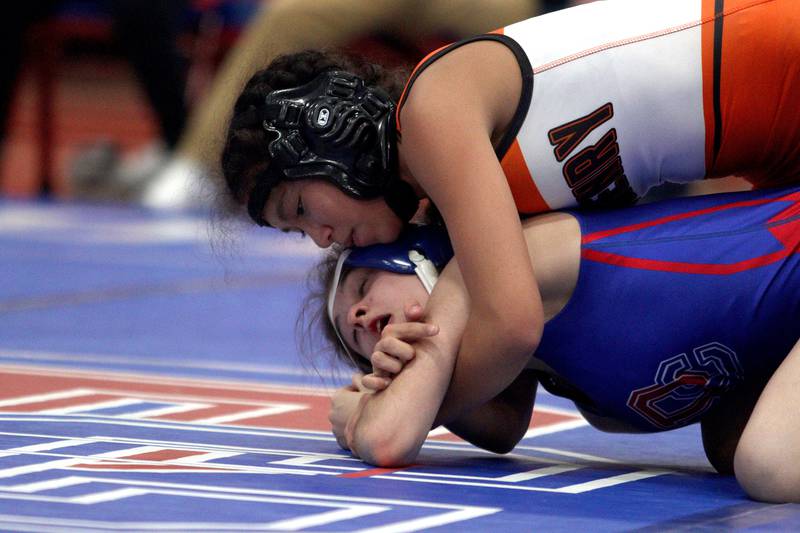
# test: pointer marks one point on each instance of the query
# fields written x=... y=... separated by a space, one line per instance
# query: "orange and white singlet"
x=622 y=95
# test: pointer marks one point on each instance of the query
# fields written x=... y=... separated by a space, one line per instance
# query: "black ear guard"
x=338 y=129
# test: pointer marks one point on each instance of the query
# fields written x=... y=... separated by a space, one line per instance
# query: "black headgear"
x=334 y=128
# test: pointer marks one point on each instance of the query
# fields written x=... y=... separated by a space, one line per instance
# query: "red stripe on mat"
x=372 y=472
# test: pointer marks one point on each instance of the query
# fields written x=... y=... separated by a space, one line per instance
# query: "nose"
x=321 y=235
x=357 y=315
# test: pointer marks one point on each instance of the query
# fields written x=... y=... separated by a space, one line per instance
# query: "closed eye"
x=360 y=292
x=362 y=286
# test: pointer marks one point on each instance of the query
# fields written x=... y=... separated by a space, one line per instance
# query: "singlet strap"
x=527 y=83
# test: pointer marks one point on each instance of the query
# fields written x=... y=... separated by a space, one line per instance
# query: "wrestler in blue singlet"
x=678 y=303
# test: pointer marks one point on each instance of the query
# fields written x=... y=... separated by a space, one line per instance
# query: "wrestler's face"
x=327 y=215
x=368 y=300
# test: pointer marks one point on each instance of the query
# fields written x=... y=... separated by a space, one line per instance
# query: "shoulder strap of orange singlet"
x=430 y=58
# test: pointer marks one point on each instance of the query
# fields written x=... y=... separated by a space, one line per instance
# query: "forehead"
x=345 y=295
x=347 y=292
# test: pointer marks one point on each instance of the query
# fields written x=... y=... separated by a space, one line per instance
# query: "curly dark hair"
x=245 y=153
x=313 y=322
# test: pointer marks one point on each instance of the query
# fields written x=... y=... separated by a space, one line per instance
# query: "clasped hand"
x=343 y=405
x=396 y=348
x=392 y=352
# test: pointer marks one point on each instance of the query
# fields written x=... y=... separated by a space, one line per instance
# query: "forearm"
x=391 y=425
x=484 y=365
x=501 y=423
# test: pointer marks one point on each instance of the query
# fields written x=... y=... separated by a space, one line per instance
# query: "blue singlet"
x=677 y=303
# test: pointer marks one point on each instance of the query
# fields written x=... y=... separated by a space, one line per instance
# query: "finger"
x=375 y=383
x=400 y=350
x=386 y=363
x=410 y=331
x=381 y=373
x=356 y=380
x=372 y=383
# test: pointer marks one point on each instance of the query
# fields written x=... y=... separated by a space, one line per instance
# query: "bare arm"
x=447 y=128
x=415 y=395
x=393 y=424
x=500 y=424
x=389 y=427
x=491 y=319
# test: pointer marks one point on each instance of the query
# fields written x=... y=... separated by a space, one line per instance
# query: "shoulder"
x=484 y=57
x=482 y=78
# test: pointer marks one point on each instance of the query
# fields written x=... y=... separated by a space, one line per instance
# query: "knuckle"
x=391 y=344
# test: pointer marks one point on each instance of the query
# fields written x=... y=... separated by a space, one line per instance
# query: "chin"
x=379 y=237
x=392 y=233
x=383 y=234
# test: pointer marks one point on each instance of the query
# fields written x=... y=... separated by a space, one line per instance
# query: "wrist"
x=350 y=428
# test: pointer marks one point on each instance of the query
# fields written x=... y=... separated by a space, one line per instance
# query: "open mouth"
x=383 y=322
x=377 y=324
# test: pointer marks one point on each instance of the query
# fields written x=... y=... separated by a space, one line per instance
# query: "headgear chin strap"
x=338 y=129
x=420 y=250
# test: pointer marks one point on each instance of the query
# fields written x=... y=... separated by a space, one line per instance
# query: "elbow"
x=529 y=337
x=506 y=441
x=523 y=335
x=501 y=447
x=497 y=443
x=387 y=448
x=519 y=324
x=390 y=457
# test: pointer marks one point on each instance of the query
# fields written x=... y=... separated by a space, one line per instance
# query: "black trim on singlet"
x=559 y=386
x=525 y=95
x=719 y=6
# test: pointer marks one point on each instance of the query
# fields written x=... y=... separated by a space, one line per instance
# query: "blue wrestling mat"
x=150 y=383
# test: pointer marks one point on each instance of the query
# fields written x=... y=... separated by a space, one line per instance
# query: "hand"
x=343 y=404
x=395 y=348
